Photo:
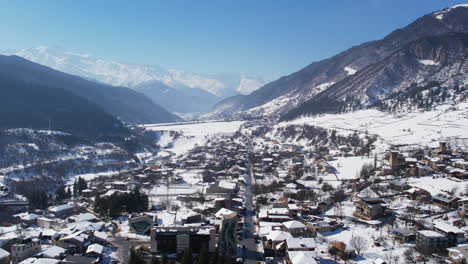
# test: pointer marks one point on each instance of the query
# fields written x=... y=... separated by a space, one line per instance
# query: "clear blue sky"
x=264 y=37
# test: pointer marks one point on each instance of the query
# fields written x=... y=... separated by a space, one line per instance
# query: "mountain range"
x=177 y=91
x=431 y=51
x=39 y=97
x=369 y=72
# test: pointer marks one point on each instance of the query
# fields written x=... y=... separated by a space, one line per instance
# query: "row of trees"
x=38 y=198
x=63 y=193
x=79 y=185
x=118 y=203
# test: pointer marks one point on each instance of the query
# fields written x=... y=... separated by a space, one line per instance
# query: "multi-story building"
x=445 y=200
x=431 y=241
x=25 y=249
x=227 y=239
x=176 y=239
x=369 y=208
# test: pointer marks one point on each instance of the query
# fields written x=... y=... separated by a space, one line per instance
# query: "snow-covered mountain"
x=291 y=92
x=28 y=87
x=422 y=67
x=133 y=75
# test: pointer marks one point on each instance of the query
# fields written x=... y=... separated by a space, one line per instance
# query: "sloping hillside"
x=422 y=64
x=123 y=103
x=29 y=105
x=289 y=92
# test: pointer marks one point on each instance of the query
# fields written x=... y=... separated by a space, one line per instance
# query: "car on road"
x=239 y=260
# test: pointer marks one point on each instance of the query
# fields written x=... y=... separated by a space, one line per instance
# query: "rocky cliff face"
x=287 y=93
x=439 y=59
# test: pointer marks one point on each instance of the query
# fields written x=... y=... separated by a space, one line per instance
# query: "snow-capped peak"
x=440 y=14
x=249 y=84
x=132 y=75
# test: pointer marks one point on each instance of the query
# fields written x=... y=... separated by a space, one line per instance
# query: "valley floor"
x=267 y=171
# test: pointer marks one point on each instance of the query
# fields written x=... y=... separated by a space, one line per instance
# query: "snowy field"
x=446 y=122
x=190 y=176
x=349 y=167
x=192 y=133
x=436 y=185
x=198 y=129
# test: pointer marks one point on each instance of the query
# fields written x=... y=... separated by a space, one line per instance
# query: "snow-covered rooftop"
x=294 y=224
x=278 y=235
x=40 y=261
x=302 y=257
x=223 y=212
x=3 y=253
x=95 y=248
x=430 y=233
x=53 y=252
x=304 y=243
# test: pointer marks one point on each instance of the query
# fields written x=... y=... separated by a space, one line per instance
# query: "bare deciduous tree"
x=410 y=256
x=359 y=243
x=339 y=212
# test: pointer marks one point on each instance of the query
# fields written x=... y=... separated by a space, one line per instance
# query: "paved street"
x=252 y=252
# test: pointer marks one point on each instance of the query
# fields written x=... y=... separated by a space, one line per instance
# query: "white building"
x=27 y=248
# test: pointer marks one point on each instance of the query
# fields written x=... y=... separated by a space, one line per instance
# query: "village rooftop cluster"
x=247 y=198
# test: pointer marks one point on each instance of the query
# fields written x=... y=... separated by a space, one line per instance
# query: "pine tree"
x=100 y=205
x=38 y=199
x=80 y=185
x=75 y=188
x=60 y=194
x=69 y=193
x=114 y=205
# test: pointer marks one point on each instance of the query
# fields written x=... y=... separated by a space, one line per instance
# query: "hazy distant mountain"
x=184 y=100
x=134 y=75
x=120 y=102
x=289 y=92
